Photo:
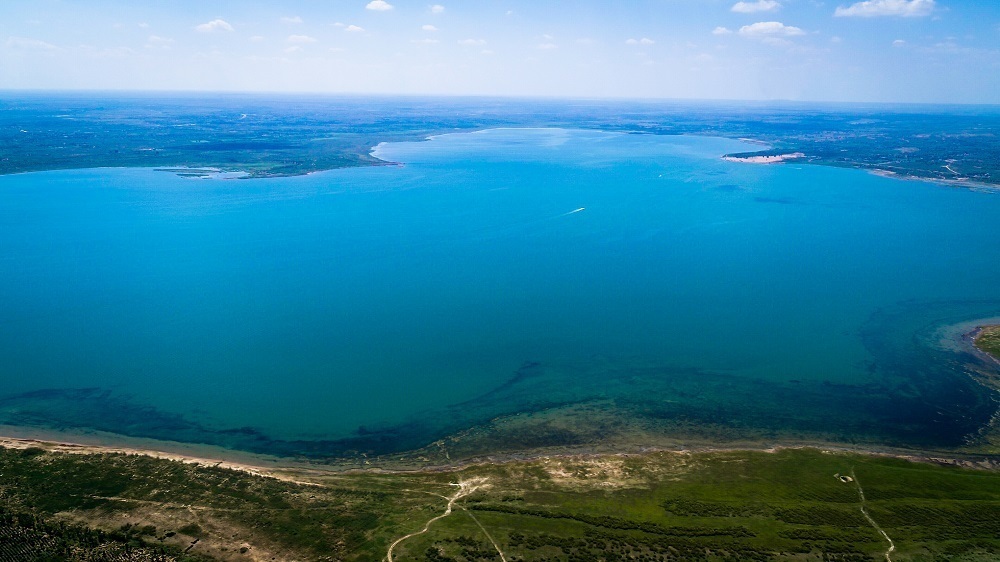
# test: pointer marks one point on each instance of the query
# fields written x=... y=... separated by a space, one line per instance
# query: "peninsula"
x=988 y=340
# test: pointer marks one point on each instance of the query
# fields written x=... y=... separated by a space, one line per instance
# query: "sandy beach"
x=262 y=468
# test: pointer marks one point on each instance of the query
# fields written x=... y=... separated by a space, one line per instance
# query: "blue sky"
x=877 y=50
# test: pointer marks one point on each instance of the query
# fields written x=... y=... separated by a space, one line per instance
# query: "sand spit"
x=769 y=159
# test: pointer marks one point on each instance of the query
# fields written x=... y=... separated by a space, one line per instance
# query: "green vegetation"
x=741 y=505
x=988 y=340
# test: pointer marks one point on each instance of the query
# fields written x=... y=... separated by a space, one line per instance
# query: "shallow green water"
x=493 y=273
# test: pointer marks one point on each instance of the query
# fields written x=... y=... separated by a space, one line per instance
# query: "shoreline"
x=291 y=470
x=961 y=183
x=16 y=437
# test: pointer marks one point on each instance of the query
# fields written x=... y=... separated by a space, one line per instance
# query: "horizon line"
x=541 y=97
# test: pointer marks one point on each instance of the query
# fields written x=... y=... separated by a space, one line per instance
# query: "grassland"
x=736 y=505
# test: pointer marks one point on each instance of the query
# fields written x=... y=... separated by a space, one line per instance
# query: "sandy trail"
x=861 y=494
x=465 y=488
x=487 y=533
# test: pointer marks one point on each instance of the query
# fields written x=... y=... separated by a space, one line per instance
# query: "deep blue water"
x=495 y=272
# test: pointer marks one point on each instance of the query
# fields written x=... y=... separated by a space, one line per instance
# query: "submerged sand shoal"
x=980 y=337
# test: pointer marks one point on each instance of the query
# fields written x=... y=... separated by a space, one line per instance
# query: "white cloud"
x=26 y=43
x=257 y=38
x=486 y=52
x=379 y=6
x=770 y=29
x=428 y=27
x=472 y=42
x=437 y=9
x=643 y=41
x=300 y=39
x=143 y=25
x=721 y=31
x=753 y=7
x=157 y=41
x=291 y=19
x=898 y=43
x=338 y=24
x=548 y=46
x=873 y=8
x=214 y=25
x=354 y=28
x=293 y=49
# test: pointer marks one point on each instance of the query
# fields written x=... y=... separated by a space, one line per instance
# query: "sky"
x=931 y=51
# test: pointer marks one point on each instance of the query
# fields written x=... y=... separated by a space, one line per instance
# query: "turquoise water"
x=493 y=273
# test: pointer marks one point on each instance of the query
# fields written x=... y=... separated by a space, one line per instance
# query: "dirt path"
x=861 y=494
x=487 y=533
x=465 y=487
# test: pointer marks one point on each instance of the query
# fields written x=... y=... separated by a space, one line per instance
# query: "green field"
x=742 y=505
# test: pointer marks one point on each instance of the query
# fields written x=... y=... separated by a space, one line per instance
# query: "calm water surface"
x=493 y=273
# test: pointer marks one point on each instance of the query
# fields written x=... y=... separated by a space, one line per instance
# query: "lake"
x=490 y=274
